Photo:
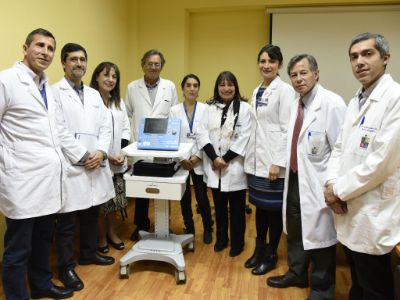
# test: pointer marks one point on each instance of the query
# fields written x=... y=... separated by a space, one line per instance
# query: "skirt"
x=266 y=194
x=119 y=202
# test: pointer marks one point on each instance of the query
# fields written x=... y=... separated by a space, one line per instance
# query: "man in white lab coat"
x=88 y=184
x=32 y=168
x=314 y=125
x=148 y=97
x=364 y=171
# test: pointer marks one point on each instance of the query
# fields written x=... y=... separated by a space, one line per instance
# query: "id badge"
x=191 y=135
x=364 y=143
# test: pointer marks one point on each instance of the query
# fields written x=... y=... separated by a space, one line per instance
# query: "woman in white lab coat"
x=223 y=136
x=106 y=79
x=266 y=157
x=191 y=112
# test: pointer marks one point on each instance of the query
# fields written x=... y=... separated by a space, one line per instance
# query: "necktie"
x=296 y=132
x=362 y=98
x=43 y=94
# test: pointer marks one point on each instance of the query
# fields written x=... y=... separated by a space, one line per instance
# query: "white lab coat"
x=268 y=139
x=31 y=160
x=368 y=176
x=89 y=121
x=138 y=103
x=223 y=139
x=120 y=130
x=321 y=126
x=178 y=112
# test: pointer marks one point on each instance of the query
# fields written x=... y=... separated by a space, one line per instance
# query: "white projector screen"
x=326 y=33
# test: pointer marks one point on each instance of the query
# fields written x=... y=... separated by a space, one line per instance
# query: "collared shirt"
x=152 y=89
x=309 y=98
x=39 y=81
x=363 y=94
x=77 y=89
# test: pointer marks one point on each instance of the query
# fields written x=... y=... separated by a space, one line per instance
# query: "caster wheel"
x=249 y=210
x=190 y=247
x=180 y=277
x=124 y=272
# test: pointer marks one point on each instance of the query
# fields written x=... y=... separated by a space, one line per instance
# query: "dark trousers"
x=269 y=221
x=27 y=244
x=237 y=207
x=200 y=191
x=65 y=236
x=141 y=218
x=323 y=260
x=371 y=276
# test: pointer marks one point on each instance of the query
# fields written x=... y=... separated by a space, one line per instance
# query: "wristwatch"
x=105 y=156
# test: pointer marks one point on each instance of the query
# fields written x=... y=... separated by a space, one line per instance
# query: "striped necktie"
x=362 y=98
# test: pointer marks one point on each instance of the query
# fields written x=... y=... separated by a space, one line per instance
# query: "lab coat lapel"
x=144 y=92
x=375 y=96
x=31 y=88
x=69 y=91
x=311 y=114
x=160 y=93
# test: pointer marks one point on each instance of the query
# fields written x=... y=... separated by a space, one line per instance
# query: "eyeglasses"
x=153 y=65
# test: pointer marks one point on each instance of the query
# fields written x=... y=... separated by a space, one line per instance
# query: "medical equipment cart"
x=160 y=245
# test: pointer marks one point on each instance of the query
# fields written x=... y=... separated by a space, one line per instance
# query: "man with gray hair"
x=364 y=171
x=314 y=125
x=148 y=97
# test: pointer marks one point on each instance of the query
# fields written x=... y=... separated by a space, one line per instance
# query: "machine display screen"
x=156 y=125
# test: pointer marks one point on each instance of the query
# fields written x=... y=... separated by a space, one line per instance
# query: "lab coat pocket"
x=315 y=143
x=365 y=136
x=72 y=170
x=165 y=104
x=390 y=187
x=236 y=132
x=7 y=159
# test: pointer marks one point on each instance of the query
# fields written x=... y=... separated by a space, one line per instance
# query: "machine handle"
x=152 y=190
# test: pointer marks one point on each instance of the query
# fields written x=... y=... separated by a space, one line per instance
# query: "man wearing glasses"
x=148 y=97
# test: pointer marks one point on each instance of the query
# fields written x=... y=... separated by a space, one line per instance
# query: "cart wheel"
x=180 y=277
x=249 y=210
x=190 y=246
x=124 y=272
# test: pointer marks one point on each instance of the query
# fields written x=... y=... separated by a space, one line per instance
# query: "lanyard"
x=190 y=120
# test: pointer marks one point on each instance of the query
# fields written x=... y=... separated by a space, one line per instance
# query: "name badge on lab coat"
x=315 y=141
x=367 y=133
x=191 y=135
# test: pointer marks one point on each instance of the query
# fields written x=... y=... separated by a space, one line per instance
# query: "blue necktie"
x=43 y=93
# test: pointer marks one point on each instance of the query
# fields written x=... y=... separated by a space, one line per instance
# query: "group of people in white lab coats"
x=313 y=168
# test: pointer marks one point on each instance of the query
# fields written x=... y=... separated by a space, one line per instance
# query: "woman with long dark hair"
x=223 y=136
x=106 y=79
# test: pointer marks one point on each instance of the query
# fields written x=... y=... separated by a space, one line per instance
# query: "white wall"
x=326 y=34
